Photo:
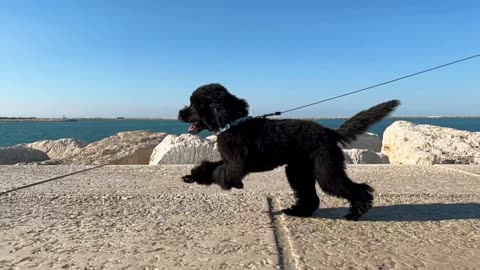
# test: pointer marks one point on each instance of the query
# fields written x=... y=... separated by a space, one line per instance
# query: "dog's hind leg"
x=301 y=178
x=334 y=181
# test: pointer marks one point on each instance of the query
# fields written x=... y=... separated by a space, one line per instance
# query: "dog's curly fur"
x=310 y=151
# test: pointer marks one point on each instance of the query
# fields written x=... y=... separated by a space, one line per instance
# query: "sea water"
x=12 y=133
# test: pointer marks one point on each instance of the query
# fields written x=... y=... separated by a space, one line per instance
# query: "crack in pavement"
x=286 y=254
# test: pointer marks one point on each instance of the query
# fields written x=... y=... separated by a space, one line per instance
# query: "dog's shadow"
x=409 y=212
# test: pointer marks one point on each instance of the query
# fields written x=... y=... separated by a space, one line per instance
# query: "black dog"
x=310 y=151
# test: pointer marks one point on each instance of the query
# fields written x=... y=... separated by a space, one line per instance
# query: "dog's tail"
x=360 y=122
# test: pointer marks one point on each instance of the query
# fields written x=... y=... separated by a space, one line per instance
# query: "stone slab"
x=167 y=231
x=145 y=217
x=400 y=232
x=415 y=179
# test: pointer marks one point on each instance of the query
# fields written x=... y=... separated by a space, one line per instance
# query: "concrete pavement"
x=144 y=217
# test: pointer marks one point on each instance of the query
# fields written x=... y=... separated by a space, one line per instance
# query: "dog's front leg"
x=203 y=173
x=229 y=175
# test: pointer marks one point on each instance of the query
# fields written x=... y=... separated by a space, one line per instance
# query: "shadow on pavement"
x=407 y=212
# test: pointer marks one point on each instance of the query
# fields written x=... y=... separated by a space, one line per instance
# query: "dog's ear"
x=217 y=117
x=239 y=107
x=227 y=110
x=236 y=107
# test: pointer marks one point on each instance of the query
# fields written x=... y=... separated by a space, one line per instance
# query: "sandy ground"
x=144 y=217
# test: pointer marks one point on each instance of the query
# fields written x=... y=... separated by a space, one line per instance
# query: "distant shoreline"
x=33 y=119
x=11 y=119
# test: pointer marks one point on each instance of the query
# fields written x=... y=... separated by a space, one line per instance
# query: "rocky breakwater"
x=143 y=147
x=408 y=143
x=185 y=149
x=20 y=153
x=365 y=150
x=40 y=151
x=58 y=149
x=403 y=143
x=132 y=147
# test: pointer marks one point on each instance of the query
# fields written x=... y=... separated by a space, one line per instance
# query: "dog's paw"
x=195 y=179
x=238 y=185
x=188 y=179
x=352 y=217
x=222 y=177
x=203 y=181
x=226 y=185
x=358 y=209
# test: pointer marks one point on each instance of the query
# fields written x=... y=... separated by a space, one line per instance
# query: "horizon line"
x=33 y=118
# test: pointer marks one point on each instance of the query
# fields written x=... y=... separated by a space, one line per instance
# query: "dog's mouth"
x=196 y=127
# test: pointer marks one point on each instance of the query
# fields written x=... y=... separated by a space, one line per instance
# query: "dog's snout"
x=183 y=114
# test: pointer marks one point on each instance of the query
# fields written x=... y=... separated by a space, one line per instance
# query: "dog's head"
x=212 y=107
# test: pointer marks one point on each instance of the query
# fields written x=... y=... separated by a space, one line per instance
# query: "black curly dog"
x=310 y=151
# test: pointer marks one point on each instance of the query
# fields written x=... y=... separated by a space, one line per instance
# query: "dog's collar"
x=233 y=124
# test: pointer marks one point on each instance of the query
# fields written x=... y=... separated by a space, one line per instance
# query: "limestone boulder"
x=364 y=156
x=124 y=148
x=184 y=149
x=368 y=141
x=59 y=149
x=408 y=143
x=212 y=138
x=20 y=153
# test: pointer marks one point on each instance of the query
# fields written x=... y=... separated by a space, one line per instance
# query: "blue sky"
x=143 y=58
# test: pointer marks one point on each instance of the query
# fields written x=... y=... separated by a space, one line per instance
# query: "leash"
x=243 y=119
x=370 y=87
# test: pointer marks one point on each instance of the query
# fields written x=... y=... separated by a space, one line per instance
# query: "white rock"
x=212 y=138
x=368 y=141
x=45 y=162
x=364 y=156
x=348 y=159
x=476 y=160
x=408 y=143
x=184 y=149
x=20 y=153
x=59 y=149
x=131 y=147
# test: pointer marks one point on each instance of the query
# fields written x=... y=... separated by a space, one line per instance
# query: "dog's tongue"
x=192 y=127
